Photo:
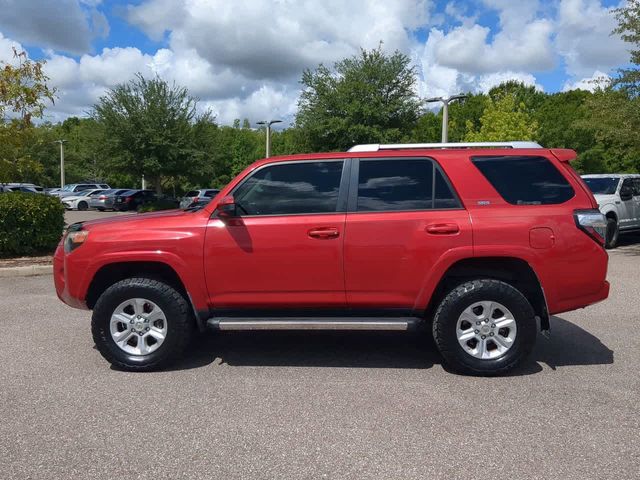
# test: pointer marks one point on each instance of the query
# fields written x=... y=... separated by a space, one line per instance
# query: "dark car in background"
x=105 y=200
x=133 y=199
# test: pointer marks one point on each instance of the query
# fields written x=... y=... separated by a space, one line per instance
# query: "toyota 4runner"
x=478 y=242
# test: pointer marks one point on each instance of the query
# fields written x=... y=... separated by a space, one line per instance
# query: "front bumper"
x=61 y=277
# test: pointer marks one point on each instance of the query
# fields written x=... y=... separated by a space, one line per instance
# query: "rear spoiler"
x=564 y=154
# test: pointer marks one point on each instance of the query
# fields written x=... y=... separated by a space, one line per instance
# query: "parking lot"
x=319 y=405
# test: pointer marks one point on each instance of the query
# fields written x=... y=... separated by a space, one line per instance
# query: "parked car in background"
x=31 y=186
x=133 y=199
x=195 y=196
x=81 y=200
x=478 y=243
x=14 y=188
x=105 y=200
x=73 y=188
x=618 y=197
x=202 y=202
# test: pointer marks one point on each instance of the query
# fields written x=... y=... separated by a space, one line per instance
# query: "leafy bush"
x=29 y=223
x=161 y=204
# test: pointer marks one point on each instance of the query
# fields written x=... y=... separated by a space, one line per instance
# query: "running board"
x=312 y=323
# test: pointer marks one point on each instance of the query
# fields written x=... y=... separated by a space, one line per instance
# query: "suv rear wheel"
x=141 y=324
x=484 y=327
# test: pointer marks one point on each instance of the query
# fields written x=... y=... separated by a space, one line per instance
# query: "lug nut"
x=477 y=331
x=483 y=337
x=491 y=334
x=477 y=323
x=493 y=325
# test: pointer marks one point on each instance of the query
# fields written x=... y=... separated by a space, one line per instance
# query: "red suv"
x=478 y=242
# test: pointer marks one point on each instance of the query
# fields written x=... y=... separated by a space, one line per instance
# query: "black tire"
x=463 y=296
x=100 y=209
x=613 y=233
x=83 y=205
x=179 y=323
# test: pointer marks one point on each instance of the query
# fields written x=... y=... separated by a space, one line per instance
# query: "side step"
x=312 y=323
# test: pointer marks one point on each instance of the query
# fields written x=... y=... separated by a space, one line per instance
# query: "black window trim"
x=352 y=204
x=341 y=205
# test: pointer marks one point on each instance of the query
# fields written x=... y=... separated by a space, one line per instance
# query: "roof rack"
x=374 y=147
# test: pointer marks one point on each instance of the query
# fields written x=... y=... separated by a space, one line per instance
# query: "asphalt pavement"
x=319 y=405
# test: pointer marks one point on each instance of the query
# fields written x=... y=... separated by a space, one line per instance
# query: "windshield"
x=602 y=185
x=67 y=188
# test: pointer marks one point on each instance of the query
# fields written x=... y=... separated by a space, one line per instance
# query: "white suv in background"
x=618 y=197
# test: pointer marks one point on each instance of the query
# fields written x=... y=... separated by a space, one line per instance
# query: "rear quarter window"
x=525 y=180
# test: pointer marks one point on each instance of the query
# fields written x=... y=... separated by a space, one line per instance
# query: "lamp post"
x=445 y=112
x=61 y=142
x=267 y=124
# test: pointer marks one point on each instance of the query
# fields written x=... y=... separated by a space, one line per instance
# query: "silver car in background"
x=105 y=200
x=196 y=196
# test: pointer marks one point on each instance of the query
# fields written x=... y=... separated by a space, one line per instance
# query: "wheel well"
x=612 y=215
x=114 y=272
x=514 y=271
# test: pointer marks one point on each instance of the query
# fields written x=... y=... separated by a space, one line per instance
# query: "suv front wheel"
x=484 y=327
x=141 y=324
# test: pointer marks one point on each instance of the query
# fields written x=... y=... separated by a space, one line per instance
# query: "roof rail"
x=374 y=147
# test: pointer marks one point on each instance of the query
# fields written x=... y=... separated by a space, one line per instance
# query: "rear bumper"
x=582 y=301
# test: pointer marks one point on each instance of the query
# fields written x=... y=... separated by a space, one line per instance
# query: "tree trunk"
x=157 y=181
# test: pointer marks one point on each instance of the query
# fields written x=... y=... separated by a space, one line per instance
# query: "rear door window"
x=402 y=184
x=525 y=180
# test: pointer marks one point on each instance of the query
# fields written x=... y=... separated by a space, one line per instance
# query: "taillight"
x=102 y=197
x=195 y=199
x=128 y=199
x=593 y=223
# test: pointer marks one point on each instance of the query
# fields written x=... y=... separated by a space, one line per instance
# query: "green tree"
x=503 y=120
x=629 y=29
x=148 y=128
x=368 y=98
x=24 y=94
x=613 y=116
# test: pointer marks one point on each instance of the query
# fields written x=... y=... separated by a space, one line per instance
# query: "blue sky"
x=244 y=58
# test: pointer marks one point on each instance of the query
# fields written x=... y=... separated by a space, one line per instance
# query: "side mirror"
x=626 y=193
x=226 y=207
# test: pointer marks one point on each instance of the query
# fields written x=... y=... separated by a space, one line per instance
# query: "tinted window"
x=211 y=193
x=402 y=184
x=304 y=187
x=524 y=180
x=636 y=186
x=191 y=193
x=602 y=185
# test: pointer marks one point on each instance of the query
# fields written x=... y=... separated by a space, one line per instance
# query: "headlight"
x=74 y=239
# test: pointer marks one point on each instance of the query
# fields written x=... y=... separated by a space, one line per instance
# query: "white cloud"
x=62 y=24
x=245 y=58
x=598 y=79
x=265 y=39
x=523 y=42
x=584 y=38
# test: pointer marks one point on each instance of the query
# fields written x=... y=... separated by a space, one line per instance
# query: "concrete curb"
x=26 y=271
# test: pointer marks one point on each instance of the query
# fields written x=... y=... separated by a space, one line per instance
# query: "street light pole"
x=445 y=112
x=267 y=124
x=61 y=142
